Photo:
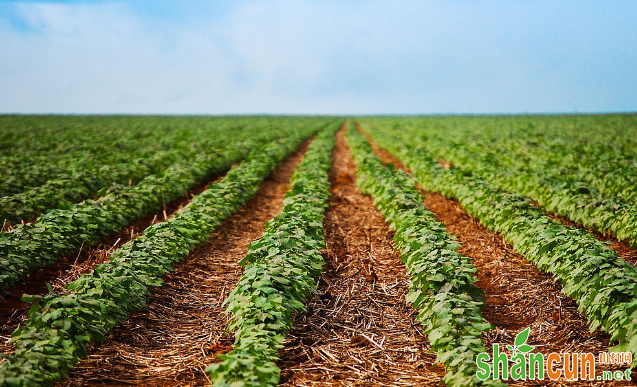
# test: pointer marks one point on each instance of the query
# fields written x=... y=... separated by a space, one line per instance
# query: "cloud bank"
x=317 y=57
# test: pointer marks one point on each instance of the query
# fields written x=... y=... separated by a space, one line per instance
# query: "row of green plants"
x=590 y=272
x=606 y=175
x=591 y=150
x=38 y=149
x=570 y=198
x=84 y=183
x=566 y=196
x=280 y=273
x=61 y=326
x=599 y=157
x=89 y=179
x=23 y=172
x=59 y=134
x=30 y=247
x=442 y=281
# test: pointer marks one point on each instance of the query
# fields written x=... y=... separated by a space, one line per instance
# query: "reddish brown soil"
x=182 y=329
x=358 y=330
x=517 y=294
x=13 y=311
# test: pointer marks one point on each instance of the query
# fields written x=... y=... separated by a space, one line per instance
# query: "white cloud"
x=96 y=58
x=302 y=56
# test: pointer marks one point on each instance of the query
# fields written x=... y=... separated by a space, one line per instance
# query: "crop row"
x=442 y=281
x=606 y=177
x=63 y=146
x=79 y=185
x=61 y=326
x=55 y=134
x=88 y=180
x=22 y=172
x=595 y=156
x=591 y=273
x=590 y=149
x=33 y=246
x=565 y=196
x=570 y=198
x=280 y=274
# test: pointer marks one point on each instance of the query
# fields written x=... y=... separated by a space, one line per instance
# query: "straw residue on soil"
x=182 y=329
x=358 y=330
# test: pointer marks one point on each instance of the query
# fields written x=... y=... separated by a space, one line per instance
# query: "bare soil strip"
x=622 y=248
x=13 y=311
x=182 y=329
x=518 y=295
x=358 y=330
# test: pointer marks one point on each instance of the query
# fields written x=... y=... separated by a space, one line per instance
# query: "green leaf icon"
x=509 y=347
x=522 y=336
x=524 y=348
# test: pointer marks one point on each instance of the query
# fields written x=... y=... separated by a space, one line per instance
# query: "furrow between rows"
x=182 y=329
x=13 y=310
x=358 y=329
x=518 y=295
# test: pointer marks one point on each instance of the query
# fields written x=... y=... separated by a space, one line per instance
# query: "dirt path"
x=181 y=330
x=517 y=294
x=358 y=330
x=13 y=311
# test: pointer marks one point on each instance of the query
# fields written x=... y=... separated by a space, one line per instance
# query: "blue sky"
x=325 y=57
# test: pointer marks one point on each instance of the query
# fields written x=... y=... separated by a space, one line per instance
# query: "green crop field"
x=314 y=251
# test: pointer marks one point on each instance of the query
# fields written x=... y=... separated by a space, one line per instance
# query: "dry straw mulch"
x=518 y=295
x=358 y=329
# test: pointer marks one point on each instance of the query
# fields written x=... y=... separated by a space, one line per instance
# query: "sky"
x=318 y=57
